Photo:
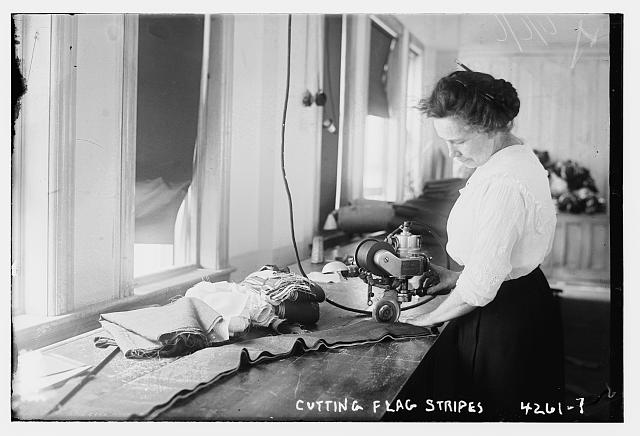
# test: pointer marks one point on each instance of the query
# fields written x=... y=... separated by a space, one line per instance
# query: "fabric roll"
x=303 y=312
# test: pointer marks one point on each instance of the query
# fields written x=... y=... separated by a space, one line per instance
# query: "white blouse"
x=502 y=225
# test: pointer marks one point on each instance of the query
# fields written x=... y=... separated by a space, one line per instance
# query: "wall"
x=436 y=31
x=259 y=217
x=562 y=77
x=563 y=110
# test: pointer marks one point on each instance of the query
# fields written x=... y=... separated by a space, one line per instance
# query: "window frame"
x=417 y=48
x=209 y=253
x=17 y=200
x=358 y=29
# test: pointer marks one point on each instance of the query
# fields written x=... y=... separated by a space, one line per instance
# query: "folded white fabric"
x=186 y=325
x=329 y=277
x=232 y=300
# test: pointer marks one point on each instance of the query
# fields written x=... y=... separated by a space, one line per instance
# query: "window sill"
x=31 y=331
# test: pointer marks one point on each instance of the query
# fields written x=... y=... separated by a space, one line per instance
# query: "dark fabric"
x=365 y=217
x=509 y=351
x=303 y=312
x=432 y=208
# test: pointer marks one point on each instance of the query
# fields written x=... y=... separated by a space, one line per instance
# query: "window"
x=382 y=133
x=170 y=53
x=74 y=166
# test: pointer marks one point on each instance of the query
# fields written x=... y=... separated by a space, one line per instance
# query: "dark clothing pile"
x=572 y=187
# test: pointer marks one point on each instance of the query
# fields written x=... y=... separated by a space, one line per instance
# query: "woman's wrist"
x=429 y=320
x=425 y=320
x=456 y=276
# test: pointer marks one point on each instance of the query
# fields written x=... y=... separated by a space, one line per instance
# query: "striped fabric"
x=277 y=286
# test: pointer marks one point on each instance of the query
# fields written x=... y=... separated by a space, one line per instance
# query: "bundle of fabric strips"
x=572 y=187
x=213 y=314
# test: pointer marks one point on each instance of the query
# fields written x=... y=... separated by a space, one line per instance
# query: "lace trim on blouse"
x=484 y=272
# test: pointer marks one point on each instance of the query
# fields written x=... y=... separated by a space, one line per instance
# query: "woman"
x=503 y=344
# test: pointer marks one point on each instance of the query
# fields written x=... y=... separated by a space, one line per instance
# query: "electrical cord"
x=282 y=166
x=290 y=201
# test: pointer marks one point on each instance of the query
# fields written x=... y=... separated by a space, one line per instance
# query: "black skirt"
x=507 y=352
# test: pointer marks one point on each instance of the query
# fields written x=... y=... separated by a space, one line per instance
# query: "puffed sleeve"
x=497 y=223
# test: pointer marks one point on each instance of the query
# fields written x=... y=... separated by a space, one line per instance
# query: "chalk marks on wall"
x=591 y=39
x=518 y=28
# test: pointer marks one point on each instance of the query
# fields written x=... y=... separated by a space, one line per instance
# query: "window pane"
x=376 y=166
x=380 y=149
x=169 y=75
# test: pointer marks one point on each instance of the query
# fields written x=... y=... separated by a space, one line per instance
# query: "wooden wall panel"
x=524 y=80
x=573 y=255
x=580 y=250
x=555 y=126
x=600 y=247
x=557 y=255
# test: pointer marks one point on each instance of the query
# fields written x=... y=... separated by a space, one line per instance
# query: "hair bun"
x=507 y=96
x=479 y=99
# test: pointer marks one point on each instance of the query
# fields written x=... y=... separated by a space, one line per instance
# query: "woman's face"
x=470 y=147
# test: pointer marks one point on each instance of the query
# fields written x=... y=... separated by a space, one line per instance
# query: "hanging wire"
x=282 y=165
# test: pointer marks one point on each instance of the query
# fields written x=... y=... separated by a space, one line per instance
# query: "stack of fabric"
x=213 y=314
x=572 y=187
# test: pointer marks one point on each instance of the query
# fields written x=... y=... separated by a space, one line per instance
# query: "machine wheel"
x=386 y=309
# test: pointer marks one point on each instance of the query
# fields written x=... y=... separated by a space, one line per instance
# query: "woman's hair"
x=478 y=99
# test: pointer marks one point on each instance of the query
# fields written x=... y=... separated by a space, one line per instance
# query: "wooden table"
x=310 y=386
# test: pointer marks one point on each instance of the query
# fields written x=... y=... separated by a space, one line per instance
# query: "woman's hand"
x=447 y=281
x=420 y=320
x=439 y=280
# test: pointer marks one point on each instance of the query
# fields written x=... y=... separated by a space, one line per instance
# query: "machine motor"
x=389 y=265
